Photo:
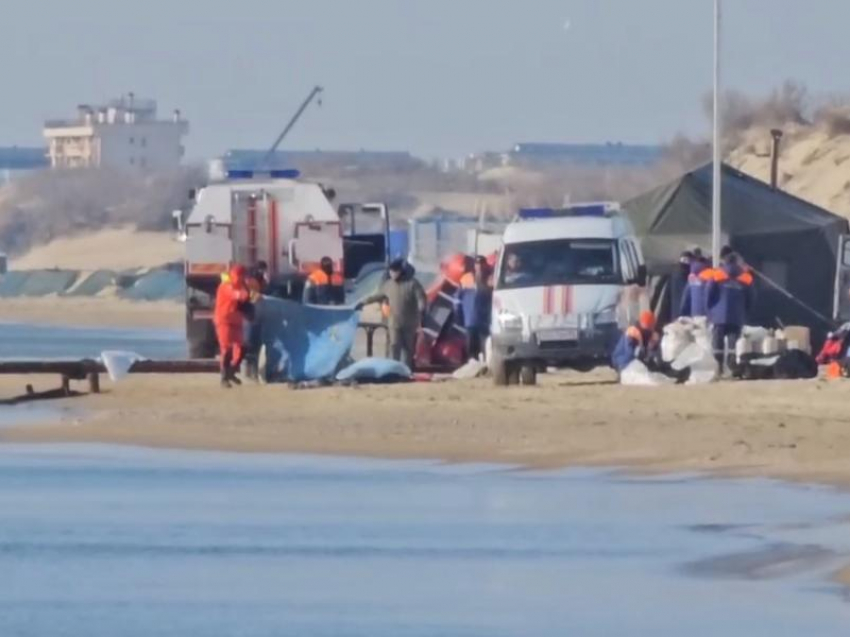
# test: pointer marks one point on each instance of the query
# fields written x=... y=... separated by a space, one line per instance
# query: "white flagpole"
x=716 y=238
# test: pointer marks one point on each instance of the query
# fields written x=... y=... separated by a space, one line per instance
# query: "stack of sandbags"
x=686 y=344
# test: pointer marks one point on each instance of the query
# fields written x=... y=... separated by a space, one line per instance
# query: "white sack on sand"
x=118 y=363
x=636 y=374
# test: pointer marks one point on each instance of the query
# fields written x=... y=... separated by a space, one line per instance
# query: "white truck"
x=246 y=218
x=566 y=283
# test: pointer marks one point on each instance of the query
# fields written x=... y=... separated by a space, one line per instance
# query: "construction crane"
x=316 y=92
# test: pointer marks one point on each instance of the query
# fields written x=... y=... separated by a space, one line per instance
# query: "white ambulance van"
x=566 y=283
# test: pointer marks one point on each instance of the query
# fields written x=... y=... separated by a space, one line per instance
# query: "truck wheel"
x=201 y=339
x=499 y=368
x=528 y=374
x=513 y=373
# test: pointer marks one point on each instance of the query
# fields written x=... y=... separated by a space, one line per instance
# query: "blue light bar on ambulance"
x=578 y=210
x=288 y=173
x=240 y=174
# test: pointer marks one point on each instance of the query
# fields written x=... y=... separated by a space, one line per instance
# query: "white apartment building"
x=124 y=133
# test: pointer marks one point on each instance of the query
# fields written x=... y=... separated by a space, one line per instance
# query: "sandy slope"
x=813 y=164
x=115 y=248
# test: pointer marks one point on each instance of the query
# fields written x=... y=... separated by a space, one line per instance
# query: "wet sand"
x=792 y=430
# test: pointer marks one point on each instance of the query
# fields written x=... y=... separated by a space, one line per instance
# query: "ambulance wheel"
x=528 y=374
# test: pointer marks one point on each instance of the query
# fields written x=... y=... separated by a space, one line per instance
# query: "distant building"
x=124 y=133
x=15 y=160
x=305 y=159
x=610 y=154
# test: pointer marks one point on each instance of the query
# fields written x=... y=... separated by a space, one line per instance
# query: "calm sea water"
x=39 y=341
x=101 y=541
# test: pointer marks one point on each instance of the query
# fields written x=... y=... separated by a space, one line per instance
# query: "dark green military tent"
x=790 y=241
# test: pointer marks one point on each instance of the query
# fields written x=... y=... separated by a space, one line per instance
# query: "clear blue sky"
x=437 y=77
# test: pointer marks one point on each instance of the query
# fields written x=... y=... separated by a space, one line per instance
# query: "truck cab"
x=566 y=283
x=247 y=217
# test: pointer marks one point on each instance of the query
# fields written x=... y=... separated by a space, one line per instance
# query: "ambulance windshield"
x=559 y=262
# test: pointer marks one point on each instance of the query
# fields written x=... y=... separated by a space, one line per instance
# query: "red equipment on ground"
x=442 y=340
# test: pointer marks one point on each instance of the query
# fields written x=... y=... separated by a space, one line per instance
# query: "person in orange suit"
x=230 y=302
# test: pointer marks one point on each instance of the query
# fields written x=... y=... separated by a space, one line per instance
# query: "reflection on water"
x=40 y=341
x=102 y=541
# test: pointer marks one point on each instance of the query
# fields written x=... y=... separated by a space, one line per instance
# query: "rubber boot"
x=231 y=374
x=225 y=371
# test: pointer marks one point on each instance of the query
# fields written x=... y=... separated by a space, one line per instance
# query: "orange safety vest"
x=320 y=277
x=635 y=333
x=720 y=276
x=467 y=281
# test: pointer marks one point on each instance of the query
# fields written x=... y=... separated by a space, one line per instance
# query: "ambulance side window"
x=629 y=260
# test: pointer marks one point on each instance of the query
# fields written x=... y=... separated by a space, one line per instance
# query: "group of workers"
x=401 y=295
x=723 y=295
x=404 y=299
x=236 y=302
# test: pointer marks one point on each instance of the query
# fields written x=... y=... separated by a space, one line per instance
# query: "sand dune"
x=813 y=164
x=113 y=249
x=97 y=311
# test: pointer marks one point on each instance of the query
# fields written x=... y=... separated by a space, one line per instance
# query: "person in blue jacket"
x=473 y=301
x=694 y=301
x=729 y=296
x=638 y=342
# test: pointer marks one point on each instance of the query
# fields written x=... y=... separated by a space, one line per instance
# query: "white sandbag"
x=755 y=333
x=701 y=363
x=473 y=369
x=675 y=339
x=636 y=374
x=118 y=363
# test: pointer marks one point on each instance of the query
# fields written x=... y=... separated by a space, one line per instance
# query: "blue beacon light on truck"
x=288 y=173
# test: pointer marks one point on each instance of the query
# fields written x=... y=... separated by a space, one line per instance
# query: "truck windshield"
x=559 y=262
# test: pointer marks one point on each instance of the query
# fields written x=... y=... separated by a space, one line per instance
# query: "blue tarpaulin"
x=305 y=342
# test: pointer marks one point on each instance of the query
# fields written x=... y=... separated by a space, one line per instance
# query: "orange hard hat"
x=647 y=320
x=454 y=267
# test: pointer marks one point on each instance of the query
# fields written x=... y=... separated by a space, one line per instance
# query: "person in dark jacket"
x=729 y=297
x=324 y=286
x=639 y=342
x=405 y=297
x=473 y=300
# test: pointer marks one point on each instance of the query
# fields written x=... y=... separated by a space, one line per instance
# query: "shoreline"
x=786 y=430
x=791 y=431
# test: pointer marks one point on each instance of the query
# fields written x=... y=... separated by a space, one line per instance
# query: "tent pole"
x=717 y=161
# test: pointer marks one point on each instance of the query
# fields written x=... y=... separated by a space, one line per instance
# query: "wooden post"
x=370 y=338
x=94 y=382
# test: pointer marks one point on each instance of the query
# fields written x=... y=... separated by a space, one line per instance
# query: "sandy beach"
x=790 y=430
